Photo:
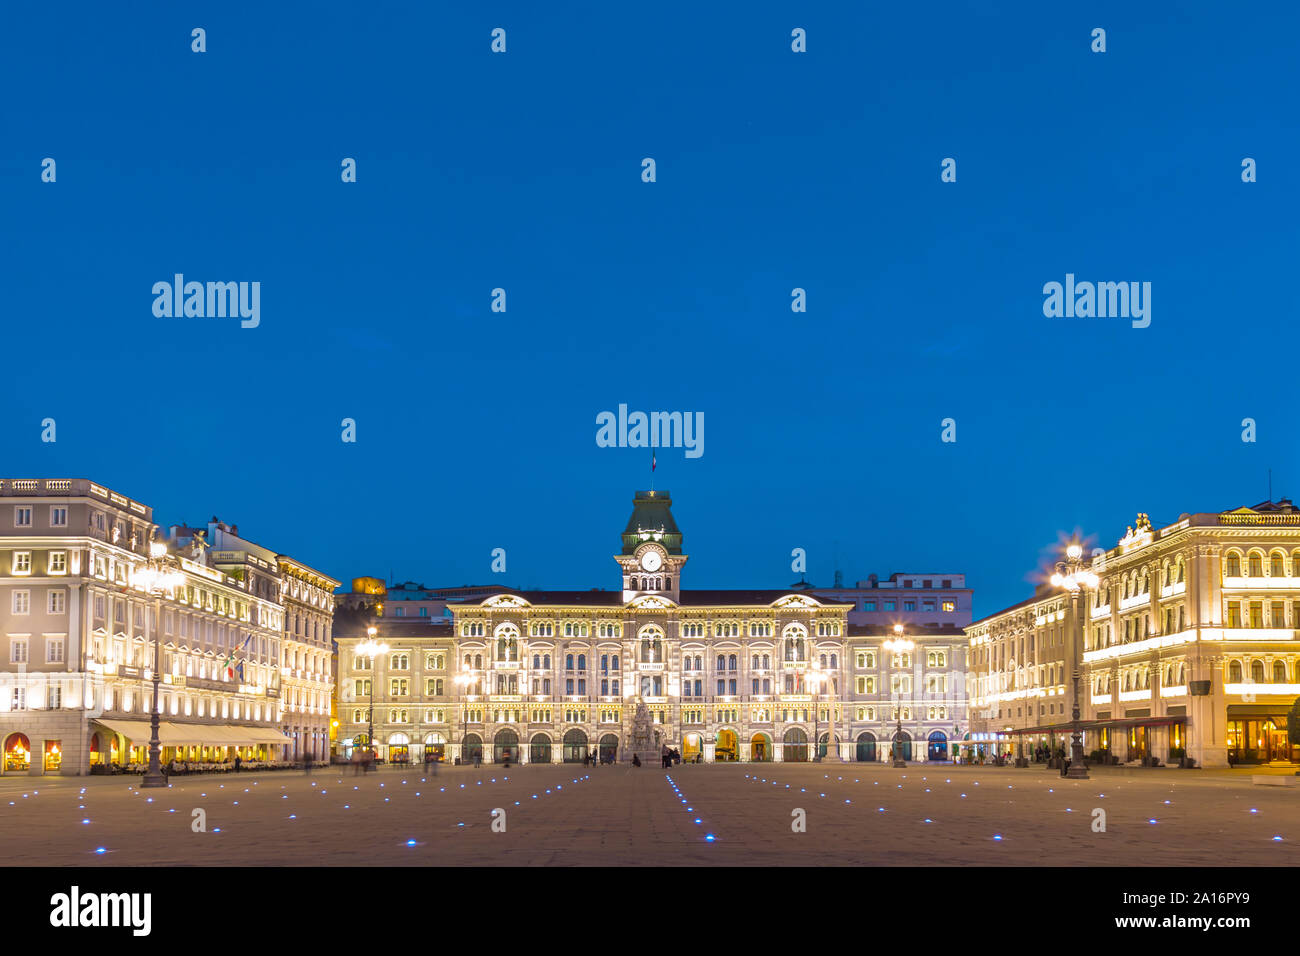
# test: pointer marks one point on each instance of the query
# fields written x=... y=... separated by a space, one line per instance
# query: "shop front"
x=1257 y=734
x=18 y=753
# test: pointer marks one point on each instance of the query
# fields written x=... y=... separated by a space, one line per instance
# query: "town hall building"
x=725 y=675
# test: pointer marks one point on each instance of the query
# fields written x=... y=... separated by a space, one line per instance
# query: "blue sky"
x=775 y=170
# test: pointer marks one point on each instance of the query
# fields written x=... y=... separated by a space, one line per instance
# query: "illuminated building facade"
x=1189 y=643
x=78 y=636
x=553 y=676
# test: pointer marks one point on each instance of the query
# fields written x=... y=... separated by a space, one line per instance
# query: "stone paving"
x=733 y=814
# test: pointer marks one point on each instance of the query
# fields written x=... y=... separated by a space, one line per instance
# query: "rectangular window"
x=1256 y=613
x=398 y=686
x=54 y=650
x=22 y=517
x=58 y=516
x=868 y=605
x=909 y=605
x=1234 y=616
x=58 y=562
x=18 y=651
x=889 y=605
x=22 y=602
x=949 y=605
x=22 y=562
x=58 y=601
x=56 y=697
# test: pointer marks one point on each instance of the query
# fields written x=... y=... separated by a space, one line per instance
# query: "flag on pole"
x=230 y=669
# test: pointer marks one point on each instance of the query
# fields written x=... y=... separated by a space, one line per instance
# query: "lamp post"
x=899 y=644
x=465 y=681
x=1073 y=575
x=160 y=573
x=814 y=681
x=372 y=649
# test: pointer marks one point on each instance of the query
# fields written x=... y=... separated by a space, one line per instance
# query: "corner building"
x=553 y=676
x=1188 y=646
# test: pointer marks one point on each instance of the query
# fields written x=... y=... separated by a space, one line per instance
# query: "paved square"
x=570 y=815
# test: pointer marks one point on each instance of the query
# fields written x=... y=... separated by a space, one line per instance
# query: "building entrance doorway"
x=937 y=746
x=1137 y=743
x=726 y=748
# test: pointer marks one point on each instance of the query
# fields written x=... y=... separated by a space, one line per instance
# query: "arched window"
x=1276 y=563
x=582 y=662
x=753 y=662
x=1256 y=563
x=1234 y=672
x=767 y=661
x=478 y=661
x=731 y=663
x=1279 y=672
x=835 y=661
x=546 y=661
x=822 y=661
x=568 y=662
x=1257 y=671
x=537 y=661
x=1232 y=568
x=722 y=663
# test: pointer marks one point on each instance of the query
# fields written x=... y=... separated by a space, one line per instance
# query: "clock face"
x=650 y=561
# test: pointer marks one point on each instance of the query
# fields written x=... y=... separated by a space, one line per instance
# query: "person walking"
x=306 y=764
x=239 y=762
x=478 y=758
x=356 y=762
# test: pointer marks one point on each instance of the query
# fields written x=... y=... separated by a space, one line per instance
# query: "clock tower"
x=652 y=559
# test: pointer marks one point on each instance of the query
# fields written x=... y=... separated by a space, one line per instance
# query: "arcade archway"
x=794 y=747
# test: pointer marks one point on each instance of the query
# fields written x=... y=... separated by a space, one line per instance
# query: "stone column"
x=1207 y=716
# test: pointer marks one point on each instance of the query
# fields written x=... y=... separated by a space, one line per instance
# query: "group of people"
x=590 y=759
x=363 y=760
x=669 y=756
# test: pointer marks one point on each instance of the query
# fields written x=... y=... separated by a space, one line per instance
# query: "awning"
x=172 y=734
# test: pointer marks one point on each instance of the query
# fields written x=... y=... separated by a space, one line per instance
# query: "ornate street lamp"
x=899 y=643
x=1073 y=575
x=465 y=680
x=815 y=680
x=160 y=573
x=372 y=649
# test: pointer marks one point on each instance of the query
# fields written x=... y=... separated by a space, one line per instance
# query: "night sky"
x=775 y=170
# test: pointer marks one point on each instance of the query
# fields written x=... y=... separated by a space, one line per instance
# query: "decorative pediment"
x=505 y=600
x=648 y=603
x=796 y=600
